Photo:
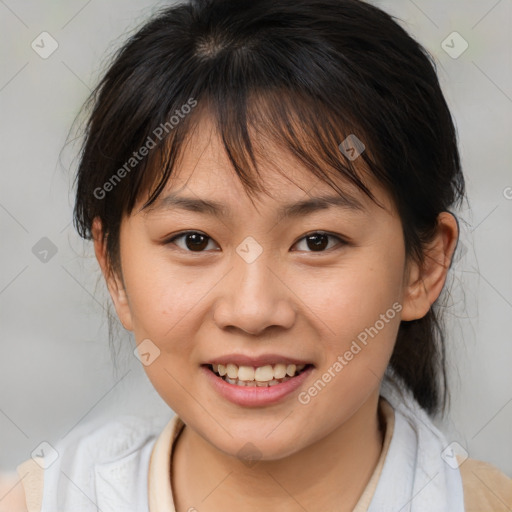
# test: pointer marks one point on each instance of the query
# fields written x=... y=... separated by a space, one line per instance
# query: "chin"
x=257 y=445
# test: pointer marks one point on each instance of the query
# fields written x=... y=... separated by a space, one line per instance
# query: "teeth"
x=246 y=373
x=280 y=371
x=290 y=370
x=232 y=371
x=261 y=376
x=253 y=383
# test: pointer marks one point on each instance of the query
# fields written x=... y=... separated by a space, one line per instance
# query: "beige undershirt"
x=160 y=492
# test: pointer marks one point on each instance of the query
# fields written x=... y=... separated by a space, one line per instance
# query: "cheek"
x=162 y=296
x=349 y=300
x=164 y=302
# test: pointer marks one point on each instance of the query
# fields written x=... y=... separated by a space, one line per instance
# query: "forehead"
x=204 y=180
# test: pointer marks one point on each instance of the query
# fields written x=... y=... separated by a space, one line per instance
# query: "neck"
x=330 y=474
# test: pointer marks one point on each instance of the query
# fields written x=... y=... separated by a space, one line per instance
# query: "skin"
x=292 y=300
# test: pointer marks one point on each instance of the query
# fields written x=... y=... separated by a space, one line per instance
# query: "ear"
x=424 y=283
x=114 y=282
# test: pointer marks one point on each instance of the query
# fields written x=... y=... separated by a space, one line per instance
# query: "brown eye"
x=194 y=241
x=318 y=241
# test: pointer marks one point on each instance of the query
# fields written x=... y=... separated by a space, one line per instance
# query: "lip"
x=255 y=396
x=262 y=360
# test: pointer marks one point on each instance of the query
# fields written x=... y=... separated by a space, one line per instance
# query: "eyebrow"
x=297 y=209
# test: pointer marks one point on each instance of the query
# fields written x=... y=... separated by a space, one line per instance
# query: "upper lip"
x=262 y=360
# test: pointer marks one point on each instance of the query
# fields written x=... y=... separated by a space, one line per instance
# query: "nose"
x=253 y=297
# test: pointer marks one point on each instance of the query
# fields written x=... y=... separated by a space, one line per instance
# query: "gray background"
x=55 y=366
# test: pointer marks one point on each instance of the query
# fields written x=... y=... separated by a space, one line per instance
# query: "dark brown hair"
x=306 y=74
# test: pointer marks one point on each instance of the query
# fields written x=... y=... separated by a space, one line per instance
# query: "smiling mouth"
x=262 y=376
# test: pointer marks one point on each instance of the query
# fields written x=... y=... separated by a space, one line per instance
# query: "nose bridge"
x=254 y=273
x=254 y=297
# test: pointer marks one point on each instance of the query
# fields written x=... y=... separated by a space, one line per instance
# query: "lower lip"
x=255 y=396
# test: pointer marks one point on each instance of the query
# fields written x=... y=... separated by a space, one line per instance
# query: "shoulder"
x=12 y=495
x=485 y=487
x=114 y=434
x=105 y=440
x=79 y=454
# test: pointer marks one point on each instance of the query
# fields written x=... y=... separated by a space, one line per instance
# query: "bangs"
x=251 y=128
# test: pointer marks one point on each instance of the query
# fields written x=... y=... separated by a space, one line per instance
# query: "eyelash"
x=341 y=241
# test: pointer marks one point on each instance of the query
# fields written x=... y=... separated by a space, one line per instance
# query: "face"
x=316 y=291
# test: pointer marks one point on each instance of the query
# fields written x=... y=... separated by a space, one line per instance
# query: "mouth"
x=257 y=376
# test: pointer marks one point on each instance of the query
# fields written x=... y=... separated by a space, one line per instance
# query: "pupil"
x=197 y=243
x=317 y=244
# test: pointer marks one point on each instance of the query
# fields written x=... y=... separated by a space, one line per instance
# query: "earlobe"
x=425 y=282
x=120 y=300
x=114 y=283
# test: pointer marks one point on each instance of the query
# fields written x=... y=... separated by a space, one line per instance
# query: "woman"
x=268 y=185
